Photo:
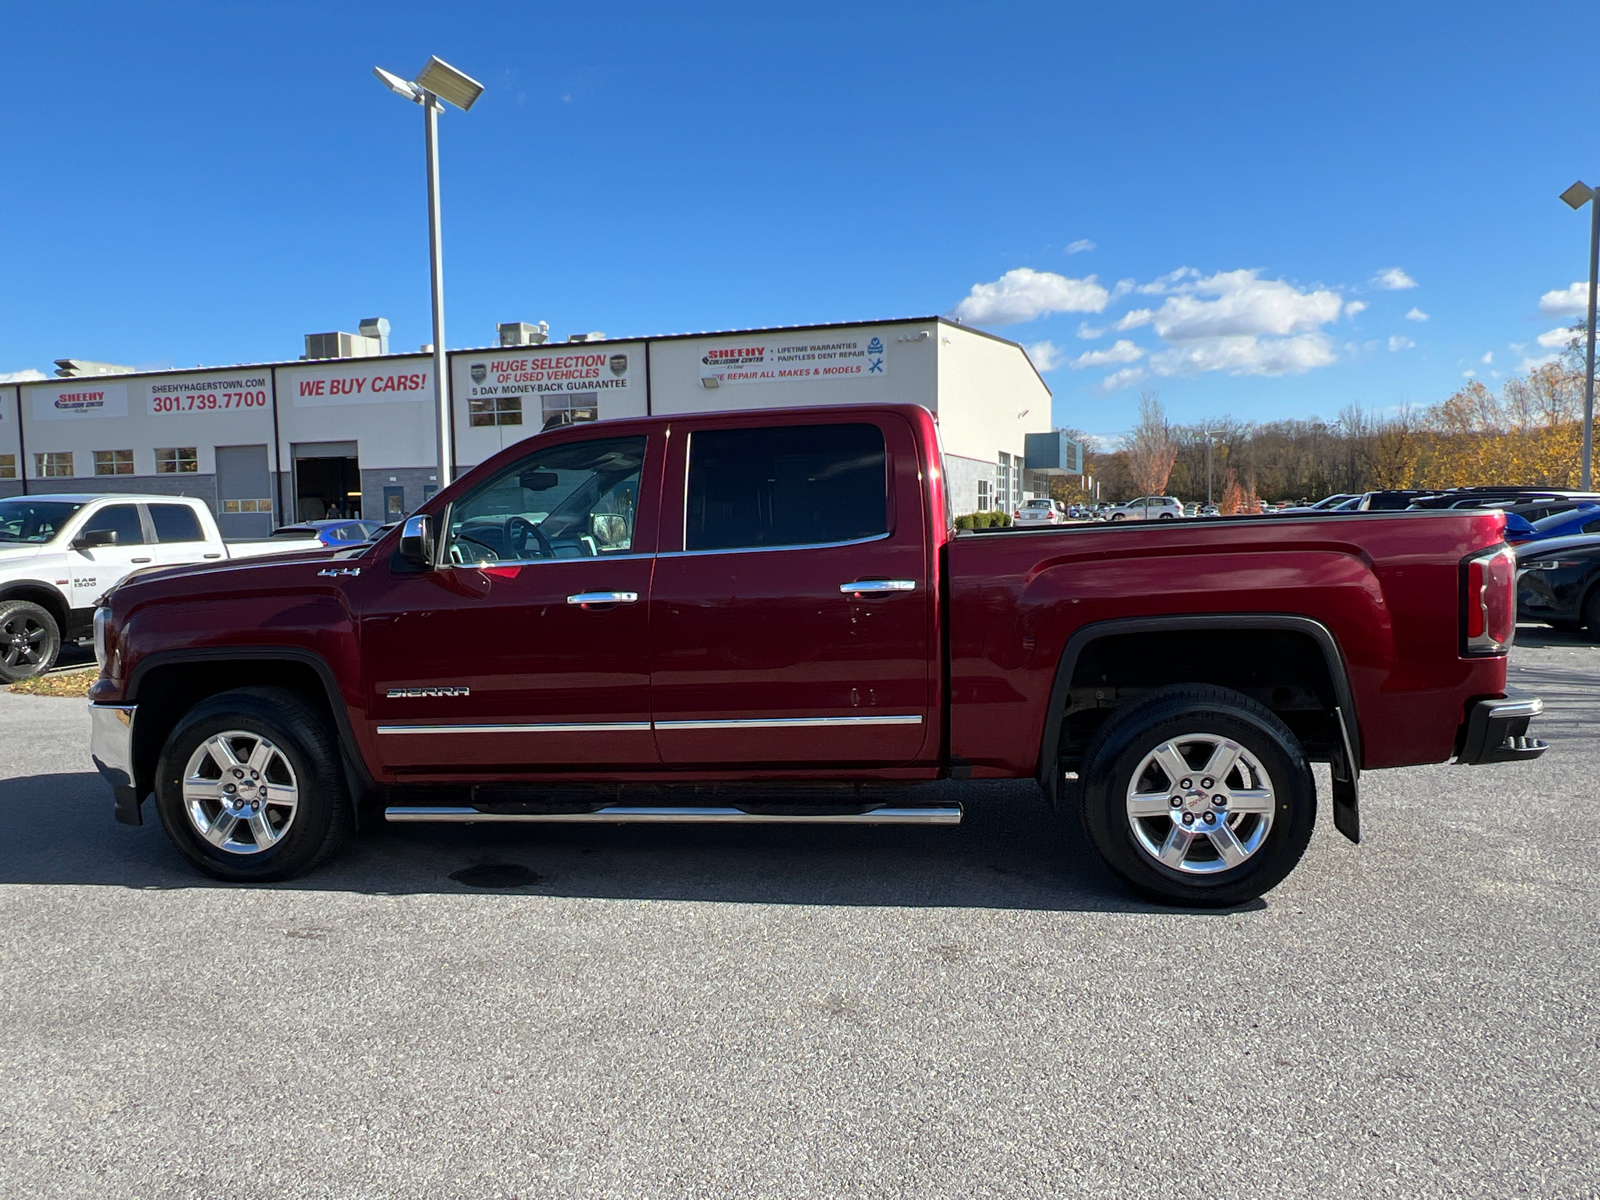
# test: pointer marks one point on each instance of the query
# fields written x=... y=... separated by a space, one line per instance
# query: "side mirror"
x=93 y=538
x=416 y=542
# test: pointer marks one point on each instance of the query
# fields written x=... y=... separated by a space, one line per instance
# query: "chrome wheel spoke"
x=1222 y=761
x=220 y=830
x=1149 y=804
x=1176 y=848
x=1228 y=847
x=261 y=756
x=1166 y=757
x=1251 y=800
x=222 y=752
x=195 y=788
x=265 y=834
x=279 y=795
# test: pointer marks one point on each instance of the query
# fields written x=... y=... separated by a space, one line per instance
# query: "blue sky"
x=204 y=183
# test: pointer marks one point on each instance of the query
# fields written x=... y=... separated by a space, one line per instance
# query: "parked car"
x=60 y=553
x=1558 y=582
x=332 y=532
x=1381 y=501
x=1040 y=511
x=1567 y=523
x=765 y=616
x=1148 y=508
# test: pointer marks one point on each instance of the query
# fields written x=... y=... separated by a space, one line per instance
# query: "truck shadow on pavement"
x=1010 y=852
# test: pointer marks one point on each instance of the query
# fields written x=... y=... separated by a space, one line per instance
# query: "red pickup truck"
x=768 y=616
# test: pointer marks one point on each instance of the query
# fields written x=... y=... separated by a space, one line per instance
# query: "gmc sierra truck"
x=60 y=553
x=768 y=616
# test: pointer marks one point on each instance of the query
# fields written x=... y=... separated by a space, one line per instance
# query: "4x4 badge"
x=335 y=571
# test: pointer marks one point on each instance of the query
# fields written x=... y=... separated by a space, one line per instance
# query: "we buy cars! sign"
x=326 y=387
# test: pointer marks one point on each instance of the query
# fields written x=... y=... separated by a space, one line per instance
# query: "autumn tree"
x=1151 y=447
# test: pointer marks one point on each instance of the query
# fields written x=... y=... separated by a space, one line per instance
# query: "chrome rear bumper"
x=111 y=748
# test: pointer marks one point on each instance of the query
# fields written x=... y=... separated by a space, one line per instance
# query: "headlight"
x=101 y=616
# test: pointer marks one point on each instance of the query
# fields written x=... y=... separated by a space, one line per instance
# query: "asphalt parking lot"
x=767 y=1012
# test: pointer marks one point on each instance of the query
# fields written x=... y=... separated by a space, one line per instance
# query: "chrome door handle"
x=140 y=560
x=604 y=598
x=870 y=586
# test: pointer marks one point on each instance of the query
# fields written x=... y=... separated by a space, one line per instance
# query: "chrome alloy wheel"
x=240 y=792
x=1200 y=803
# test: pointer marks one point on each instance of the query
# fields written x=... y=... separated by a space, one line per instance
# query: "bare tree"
x=1151 y=447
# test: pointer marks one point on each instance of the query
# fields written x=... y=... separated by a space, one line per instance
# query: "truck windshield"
x=34 y=521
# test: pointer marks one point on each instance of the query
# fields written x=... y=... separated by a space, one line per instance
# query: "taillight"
x=1489 y=602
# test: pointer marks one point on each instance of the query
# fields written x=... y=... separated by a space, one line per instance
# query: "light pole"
x=1576 y=196
x=1209 y=439
x=436 y=82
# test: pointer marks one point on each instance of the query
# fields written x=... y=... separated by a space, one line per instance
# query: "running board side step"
x=937 y=814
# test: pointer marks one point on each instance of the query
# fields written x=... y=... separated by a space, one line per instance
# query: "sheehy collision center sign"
x=346 y=383
x=91 y=396
x=796 y=357
x=524 y=371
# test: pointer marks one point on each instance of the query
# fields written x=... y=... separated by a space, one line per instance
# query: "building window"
x=984 y=488
x=495 y=410
x=570 y=407
x=247 y=506
x=179 y=460
x=8 y=466
x=56 y=464
x=113 y=462
x=1002 y=481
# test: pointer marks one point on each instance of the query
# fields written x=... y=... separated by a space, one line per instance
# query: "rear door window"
x=791 y=485
x=121 y=519
x=175 y=523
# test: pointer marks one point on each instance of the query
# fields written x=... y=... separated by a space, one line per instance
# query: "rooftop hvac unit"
x=75 y=368
x=595 y=336
x=343 y=345
x=520 y=333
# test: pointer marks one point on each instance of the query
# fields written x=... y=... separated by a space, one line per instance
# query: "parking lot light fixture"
x=1576 y=197
x=436 y=83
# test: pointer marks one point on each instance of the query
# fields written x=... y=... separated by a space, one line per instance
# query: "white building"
x=279 y=442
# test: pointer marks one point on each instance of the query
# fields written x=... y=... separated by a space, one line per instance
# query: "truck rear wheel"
x=30 y=639
x=1197 y=795
x=249 y=788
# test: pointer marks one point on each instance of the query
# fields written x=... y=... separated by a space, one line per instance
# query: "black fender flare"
x=357 y=776
x=1346 y=773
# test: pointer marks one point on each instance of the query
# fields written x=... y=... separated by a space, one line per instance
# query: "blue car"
x=341 y=531
x=1584 y=519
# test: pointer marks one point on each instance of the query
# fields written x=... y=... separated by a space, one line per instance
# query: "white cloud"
x=1247 y=355
x=1079 y=246
x=1519 y=347
x=1160 y=285
x=1088 y=334
x=1533 y=364
x=1121 y=351
x=1046 y=356
x=1241 y=305
x=1488 y=357
x=1025 y=294
x=1398 y=343
x=1134 y=319
x=1565 y=302
x=1123 y=287
x=1393 y=280
x=1117 y=380
x=1555 y=339
x=28 y=376
x=1468 y=374
x=1355 y=308
x=1416 y=314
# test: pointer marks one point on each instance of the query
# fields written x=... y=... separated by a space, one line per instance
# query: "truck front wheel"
x=1197 y=795
x=30 y=639
x=249 y=788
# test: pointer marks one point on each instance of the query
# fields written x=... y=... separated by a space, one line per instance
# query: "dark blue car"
x=1558 y=582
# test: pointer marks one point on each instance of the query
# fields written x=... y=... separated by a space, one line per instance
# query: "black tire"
x=1591 y=613
x=1198 y=710
x=30 y=640
x=1119 y=516
x=321 y=813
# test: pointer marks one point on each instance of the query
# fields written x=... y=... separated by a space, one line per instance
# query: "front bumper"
x=1497 y=731
x=111 y=747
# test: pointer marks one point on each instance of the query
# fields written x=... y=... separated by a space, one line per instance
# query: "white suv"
x=1149 y=508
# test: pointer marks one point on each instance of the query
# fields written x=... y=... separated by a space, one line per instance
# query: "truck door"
x=95 y=569
x=527 y=649
x=790 y=618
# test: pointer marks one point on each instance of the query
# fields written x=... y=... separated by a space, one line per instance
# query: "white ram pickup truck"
x=60 y=553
